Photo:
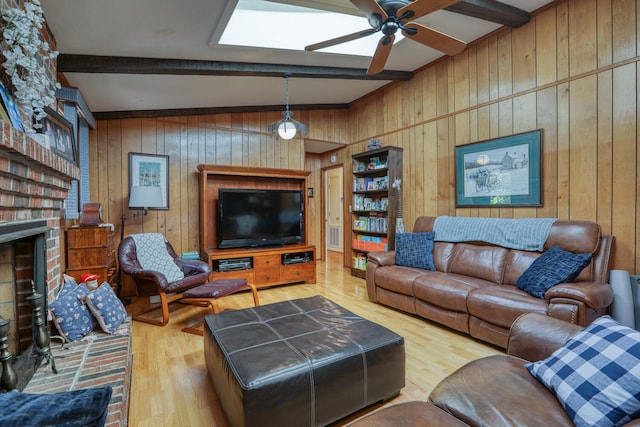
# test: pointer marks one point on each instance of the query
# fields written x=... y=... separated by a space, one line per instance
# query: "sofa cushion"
x=415 y=250
x=552 y=267
x=498 y=391
x=481 y=261
x=596 y=374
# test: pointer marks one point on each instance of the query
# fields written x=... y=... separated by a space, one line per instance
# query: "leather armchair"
x=149 y=282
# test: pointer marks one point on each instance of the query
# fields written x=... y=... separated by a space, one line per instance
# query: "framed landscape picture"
x=503 y=171
x=150 y=170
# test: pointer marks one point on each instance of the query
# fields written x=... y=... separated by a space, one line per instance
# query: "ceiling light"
x=287 y=128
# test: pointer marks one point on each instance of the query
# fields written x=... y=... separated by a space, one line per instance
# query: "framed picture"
x=59 y=135
x=504 y=171
x=11 y=108
x=150 y=170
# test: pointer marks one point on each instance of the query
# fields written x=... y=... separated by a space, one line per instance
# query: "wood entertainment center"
x=262 y=266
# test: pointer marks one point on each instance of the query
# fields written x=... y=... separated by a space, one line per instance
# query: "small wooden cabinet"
x=91 y=250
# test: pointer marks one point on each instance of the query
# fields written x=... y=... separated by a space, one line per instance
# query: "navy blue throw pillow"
x=77 y=408
x=415 y=250
x=552 y=267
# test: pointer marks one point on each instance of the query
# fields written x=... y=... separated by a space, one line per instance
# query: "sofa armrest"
x=593 y=295
x=534 y=336
x=375 y=260
x=382 y=258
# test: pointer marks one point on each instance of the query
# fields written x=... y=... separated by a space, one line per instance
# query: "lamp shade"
x=143 y=197
x=286 y=130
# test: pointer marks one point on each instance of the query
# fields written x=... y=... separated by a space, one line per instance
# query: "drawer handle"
x=268 y=276
x=298 y=273
x=268 y=261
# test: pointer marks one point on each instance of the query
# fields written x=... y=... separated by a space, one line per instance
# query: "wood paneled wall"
x=224 y=139
x=572 y=71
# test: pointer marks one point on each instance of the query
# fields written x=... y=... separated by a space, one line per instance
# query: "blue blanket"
x=525 y=233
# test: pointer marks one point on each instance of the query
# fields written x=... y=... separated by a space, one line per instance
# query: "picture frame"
x=59 y=135
x=11 y=109
x=500 y=172
x=150 y=170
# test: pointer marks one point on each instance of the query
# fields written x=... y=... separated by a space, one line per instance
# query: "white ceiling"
x=183 y=30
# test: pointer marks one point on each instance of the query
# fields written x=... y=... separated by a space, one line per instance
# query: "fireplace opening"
x=23 y=270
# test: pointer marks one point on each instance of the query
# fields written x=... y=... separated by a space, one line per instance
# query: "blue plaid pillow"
x=106 y=307
x=552 y=267
x=415 y=250
x=596 y=374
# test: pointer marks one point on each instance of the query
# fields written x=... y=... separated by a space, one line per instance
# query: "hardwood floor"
x=170 y=386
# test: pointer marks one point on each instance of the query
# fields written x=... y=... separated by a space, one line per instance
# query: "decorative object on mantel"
x=26 y=54
x=397 y=184
x=374 y=144
x=287 y=127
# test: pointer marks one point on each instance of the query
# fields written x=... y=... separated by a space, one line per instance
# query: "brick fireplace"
x=34 y=183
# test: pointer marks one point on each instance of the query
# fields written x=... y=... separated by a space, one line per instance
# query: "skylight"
x=281 y=26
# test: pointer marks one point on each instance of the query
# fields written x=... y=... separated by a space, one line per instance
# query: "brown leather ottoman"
x=303 y=362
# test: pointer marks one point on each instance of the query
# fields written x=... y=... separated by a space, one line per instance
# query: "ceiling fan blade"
x=382 y=53
x=435 y=39
x=341 y=39
x=423 y=7
x=370 y=8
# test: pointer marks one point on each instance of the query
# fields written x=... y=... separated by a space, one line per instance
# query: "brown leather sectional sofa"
x=473 y=289
x=495 y=391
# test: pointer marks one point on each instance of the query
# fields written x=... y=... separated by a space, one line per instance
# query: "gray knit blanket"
x=152 y=254
x=523 y=233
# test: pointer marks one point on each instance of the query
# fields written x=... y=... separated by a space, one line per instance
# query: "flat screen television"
x=251 y=218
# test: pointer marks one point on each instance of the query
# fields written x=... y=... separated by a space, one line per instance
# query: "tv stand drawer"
x=266 y=261
x=267 y=276
x=298 y=272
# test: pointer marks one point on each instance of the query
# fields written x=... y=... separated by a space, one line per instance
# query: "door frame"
x=323 y=207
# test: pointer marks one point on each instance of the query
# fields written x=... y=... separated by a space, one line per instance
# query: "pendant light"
x=287 y=128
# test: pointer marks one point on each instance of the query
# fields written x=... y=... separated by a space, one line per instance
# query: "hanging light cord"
x=286 y=113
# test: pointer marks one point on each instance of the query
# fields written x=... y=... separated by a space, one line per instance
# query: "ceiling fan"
x=389 y=16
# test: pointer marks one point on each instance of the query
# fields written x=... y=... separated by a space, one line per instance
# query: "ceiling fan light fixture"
x=287 y=128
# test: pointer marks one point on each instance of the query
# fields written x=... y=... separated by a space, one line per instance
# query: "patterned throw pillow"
x=552 y=267
x=596 y=374
x=69 y=313
x=415 y=250
x=106 y=307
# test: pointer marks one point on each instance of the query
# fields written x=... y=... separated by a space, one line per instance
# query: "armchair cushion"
x=152 y=255
x=596 y=374
x=552 y=267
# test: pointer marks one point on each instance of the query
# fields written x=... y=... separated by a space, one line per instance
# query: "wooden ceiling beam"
x=68 y=63
x=493 y=11
x=175 y=112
